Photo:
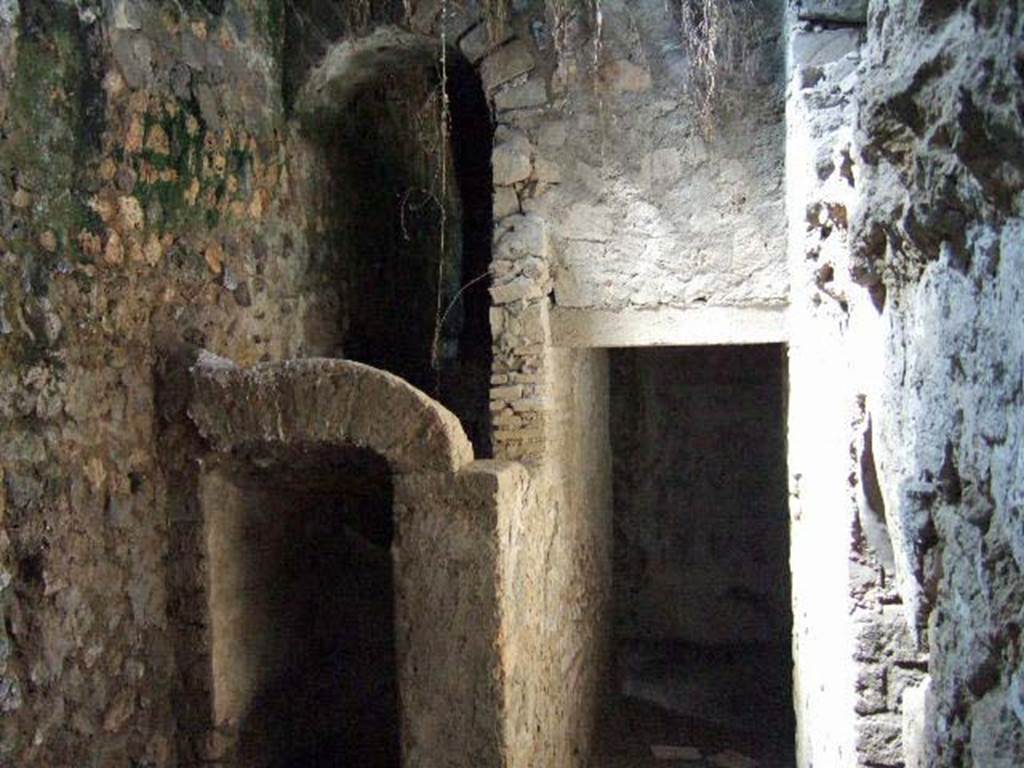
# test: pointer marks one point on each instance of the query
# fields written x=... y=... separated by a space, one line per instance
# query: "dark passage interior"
x=703 y=625
x=305 y=656
x=411 y=220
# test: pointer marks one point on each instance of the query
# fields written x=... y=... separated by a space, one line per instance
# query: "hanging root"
x=717 y=37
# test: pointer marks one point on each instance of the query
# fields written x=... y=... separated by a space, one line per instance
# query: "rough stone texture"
x=939 y=234
x=452 y=670
x=147 y=205
x=825 y=417
x=559 y=554
x=648 y=209
x=355 y=405
x=158 y=195
x=456 y=682
x=867 y=644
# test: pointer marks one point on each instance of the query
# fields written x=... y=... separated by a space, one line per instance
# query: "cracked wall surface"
x=940 y=129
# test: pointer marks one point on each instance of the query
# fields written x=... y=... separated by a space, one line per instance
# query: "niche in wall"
x=302 y=607
x=702 y=617
x=410 y=219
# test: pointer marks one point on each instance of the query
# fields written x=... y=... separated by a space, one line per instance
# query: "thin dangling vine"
x=445 y=117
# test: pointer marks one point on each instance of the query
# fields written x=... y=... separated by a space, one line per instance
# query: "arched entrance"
x=302 y=604
x=330 y=633
x=403 y=132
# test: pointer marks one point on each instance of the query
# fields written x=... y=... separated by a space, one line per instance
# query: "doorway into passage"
x=702 y=620
x=302 y=607
x=411 y=220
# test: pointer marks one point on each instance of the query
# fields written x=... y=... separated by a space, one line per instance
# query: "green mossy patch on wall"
x=53 y=126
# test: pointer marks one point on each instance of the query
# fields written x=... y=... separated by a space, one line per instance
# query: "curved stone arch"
x=327 y=402
x=409 y=214
x=352 y=64
x=451 y=516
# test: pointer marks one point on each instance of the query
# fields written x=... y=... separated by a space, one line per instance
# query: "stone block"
x=507 y=393
x=879 y=739
x=475 y=44
x=915 y=725
x=528 y=405
x=497 y=318
x=531 y=94
x=134 y=56
x=506 y=202
x=511 y=160
x=815 y=49
x=900 y=681
x=506 y=63
x=871 y=690
x=533 y=323
x=515 y=290
x=523 y=236
x=844 y=11
x=885 y=636
x=507 y=420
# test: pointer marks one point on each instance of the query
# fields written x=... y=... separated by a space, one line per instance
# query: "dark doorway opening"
x=702 y=622
x=412 y=225
x=302 y=603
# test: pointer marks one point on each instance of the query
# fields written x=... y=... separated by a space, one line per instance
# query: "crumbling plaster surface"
x=942 y=228
x=648 y=210
x=645 y=210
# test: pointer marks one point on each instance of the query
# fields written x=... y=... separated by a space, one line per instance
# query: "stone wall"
x=939 y=235
x=157 y=194
x=649 y=210
x=902 y=245
x=825 y=406
x=558 y=573
x=149 y=202
x=300 y=421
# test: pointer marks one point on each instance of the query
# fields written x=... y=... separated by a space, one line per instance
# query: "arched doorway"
x=302 y=603
x=335 y=636
x=404 y=134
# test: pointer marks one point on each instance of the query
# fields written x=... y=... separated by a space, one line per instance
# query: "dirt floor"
x=629 y=728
